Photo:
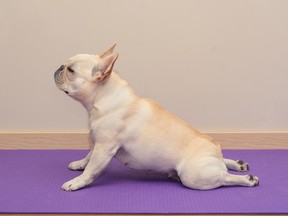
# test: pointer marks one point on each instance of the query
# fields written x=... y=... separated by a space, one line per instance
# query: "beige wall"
x=220 y=65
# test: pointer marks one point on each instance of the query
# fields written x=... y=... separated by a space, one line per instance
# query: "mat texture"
x=30 y=182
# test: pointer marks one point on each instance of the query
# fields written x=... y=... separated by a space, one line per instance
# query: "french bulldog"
x=139 y=132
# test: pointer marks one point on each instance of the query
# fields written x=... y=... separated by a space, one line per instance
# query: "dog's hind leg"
x=238 y=165
x=210 y=173
x=202 y=173
x=242 y=180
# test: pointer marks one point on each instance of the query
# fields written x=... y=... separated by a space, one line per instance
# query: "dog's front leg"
x=100 y=158
x=81 y=164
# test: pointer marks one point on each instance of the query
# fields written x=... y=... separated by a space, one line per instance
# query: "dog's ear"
x=105 y=67
x=108 y=51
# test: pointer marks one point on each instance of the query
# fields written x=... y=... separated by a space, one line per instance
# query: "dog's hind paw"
x=253 y=179
x=243 y=167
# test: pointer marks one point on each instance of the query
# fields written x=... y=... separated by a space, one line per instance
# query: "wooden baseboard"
x=52 y=140
x=44 y=140
x=138 y=214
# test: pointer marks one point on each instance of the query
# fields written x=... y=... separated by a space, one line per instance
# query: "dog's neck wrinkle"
x=113 y=94
x=86 y=101
x=88 y=104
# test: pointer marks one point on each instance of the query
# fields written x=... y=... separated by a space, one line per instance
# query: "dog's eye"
x=70 y=70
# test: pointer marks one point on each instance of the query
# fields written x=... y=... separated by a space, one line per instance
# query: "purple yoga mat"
x=30 y=182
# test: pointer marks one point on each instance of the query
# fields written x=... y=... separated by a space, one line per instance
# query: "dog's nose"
x=58 y=76
x=61 y=67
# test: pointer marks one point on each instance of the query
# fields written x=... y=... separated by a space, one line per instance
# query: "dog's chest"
x=106 y=126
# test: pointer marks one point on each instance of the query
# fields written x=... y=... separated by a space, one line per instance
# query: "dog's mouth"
x=66 y=92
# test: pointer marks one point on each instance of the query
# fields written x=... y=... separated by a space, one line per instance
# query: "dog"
x=139 y=132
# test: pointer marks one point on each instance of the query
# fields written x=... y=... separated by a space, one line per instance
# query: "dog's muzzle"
x=58 y=76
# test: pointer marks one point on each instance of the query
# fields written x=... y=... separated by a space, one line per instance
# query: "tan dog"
x=139 y=132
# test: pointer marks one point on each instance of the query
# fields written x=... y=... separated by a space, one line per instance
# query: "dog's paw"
x=254 y=180
x=243 y=167
x=77 y=165
x=75 y=184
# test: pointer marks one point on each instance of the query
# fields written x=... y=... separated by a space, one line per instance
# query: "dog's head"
x=80 y=75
